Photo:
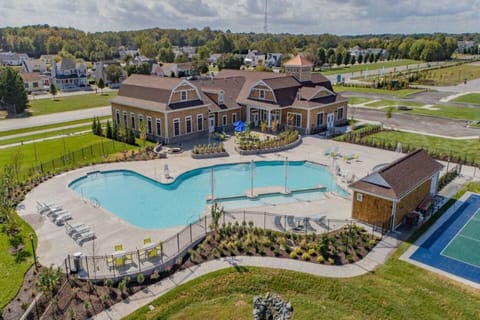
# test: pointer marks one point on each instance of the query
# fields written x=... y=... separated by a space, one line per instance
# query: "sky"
x=341 y=17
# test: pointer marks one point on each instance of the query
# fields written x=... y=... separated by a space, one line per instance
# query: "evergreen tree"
x=94 y=125
x=109 y=132
x=114 y=131
x=12 y=90
x=101 y=85
x=53 y=90
x=99 y=127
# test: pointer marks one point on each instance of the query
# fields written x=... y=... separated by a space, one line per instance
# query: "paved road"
x=419 y=123
x=19 y=123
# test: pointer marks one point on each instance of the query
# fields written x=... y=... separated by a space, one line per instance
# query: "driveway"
x=19 y=123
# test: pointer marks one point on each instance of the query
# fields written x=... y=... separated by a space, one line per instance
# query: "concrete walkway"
x=375 y=258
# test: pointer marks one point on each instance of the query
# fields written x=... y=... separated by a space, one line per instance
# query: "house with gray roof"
x=69 y=75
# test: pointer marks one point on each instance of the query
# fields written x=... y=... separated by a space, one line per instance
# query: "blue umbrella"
x=239 y=126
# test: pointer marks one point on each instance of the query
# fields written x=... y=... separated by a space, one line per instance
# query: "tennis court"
x=452 y=245
x=465 y=246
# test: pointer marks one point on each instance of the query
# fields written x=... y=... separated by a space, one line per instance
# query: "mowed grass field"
x=461 y=148
x=473 y=98
x=396 y=290
x=370 y=66
x=454 y=75
x=70 y=103
x=402 y=93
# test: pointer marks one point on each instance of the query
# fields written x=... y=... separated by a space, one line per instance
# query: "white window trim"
x=295 y=114
x=224 y=120
x=191 y=124
x=140 y=121
x=183 y=92
x=234 y=117
x=338 y=114
x=158 y=125
x=117 y=117
x=132 y=120
x=177 y=120
x=323 y=116
x=149 y=121
x=200 y=120
x=221 y=97
x=125 y=118
x=359 y=197
x=261 y=94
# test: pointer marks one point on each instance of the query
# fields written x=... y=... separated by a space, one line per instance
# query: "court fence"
x=163 y=256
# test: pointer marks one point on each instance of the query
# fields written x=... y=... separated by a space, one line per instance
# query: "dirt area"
x=25 y=296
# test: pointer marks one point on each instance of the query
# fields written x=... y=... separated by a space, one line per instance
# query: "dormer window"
x=220 y=97
x=183 y=95
x=261 y=94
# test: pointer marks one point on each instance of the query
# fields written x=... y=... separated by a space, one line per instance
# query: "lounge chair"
x=58 y=213
x=78 y=233
x=61 y=219
x=278 y=223
x=119 y=262
x=86 y=236
x=293 y=225
x=69 y=228
x=127 y=256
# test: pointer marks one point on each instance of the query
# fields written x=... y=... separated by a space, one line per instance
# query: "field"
x=453 y=75
x=473 y=98
x=402 y=93
x=451 y=112
x=357 y=100
x=391 y=103
x=396 y=290
x=370 y=66
x=70 y=103
x=461 y=148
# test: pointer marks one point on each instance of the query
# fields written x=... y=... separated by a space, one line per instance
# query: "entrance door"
x=255 y=118
x=211 y=123
x=330 y=120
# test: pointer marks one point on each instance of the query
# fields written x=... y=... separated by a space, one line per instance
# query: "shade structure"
x=240 y=126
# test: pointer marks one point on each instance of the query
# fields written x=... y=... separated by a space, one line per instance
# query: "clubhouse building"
x=173 y=109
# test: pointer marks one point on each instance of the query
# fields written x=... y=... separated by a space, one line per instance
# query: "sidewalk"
x=375 y=258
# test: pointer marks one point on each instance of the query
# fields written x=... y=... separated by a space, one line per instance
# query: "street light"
x=33 y=250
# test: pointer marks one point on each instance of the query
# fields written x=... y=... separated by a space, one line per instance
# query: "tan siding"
x=372 y=210
x=303 y=112
x=137 y=111
x=182 y=114
x=411 y=201
x=255 y=93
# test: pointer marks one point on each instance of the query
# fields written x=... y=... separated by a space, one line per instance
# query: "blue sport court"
x=454 y=247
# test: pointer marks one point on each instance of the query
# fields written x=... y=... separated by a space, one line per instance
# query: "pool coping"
x=407 y=255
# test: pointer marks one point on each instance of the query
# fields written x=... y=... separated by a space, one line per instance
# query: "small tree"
x=53 y=90
x=49 y=280
x=388 y=114
x=94 y=125
x=114 y=131
x=109 y=132
x=130 y=137
x=99 y=127
x=143 y=134
x=101 y=85
x=216 y=211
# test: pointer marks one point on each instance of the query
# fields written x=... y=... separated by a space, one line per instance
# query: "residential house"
x=213 y=59
x=12 y=58
x=123 y=52
x=173 y=69
x=254 y=58
x=33 y=82
x=47 y=58
x=175 y=109
x=68 y=75
x=388 y=195
x=463 y=46
x=190 y=51
x=99 y=72
x=273 y=60
x=34 y=65
x=357 y=51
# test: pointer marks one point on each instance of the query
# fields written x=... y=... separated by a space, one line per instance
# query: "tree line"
x=158 y=43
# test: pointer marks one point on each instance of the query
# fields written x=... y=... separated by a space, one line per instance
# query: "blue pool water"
x=149 y=204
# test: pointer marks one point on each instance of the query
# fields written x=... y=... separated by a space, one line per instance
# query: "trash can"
x=77 y=262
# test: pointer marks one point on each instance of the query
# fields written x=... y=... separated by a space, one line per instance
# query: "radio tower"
x=265 y=22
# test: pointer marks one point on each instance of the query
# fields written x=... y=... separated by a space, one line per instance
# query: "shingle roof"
x=400 y=177
x=298 y=61
x=66 y=64
x=30 y=76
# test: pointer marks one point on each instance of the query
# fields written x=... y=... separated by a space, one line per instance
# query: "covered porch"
x=256 y=114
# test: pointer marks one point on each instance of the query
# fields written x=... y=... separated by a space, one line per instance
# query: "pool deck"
x=54 y=244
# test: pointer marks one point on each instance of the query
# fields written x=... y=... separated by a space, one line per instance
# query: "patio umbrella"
x=239 y=126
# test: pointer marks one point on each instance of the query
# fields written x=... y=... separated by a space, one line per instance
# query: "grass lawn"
x=453 y=75
x=390 y=103
x=402 y=93
x=45 y=151
x=46 y=134
x=396 y=290
x=49 y=126
x=357 y=100
x=473 y=98
x=451 y=112
x=12 y=272
x=461 y=148
x=70 y=103
x=370 y=66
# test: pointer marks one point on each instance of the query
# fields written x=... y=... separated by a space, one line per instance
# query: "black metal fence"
x=164 y=255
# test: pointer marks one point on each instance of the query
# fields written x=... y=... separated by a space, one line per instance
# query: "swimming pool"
x=149 y=204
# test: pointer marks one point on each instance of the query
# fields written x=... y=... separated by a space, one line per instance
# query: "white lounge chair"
x=70 y=228
x=86 y=236
x=62 y=218
x=80 y=231
x=56 y=213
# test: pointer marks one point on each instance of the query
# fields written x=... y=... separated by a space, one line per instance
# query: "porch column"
x=269 y=119
x=248 y=114
x=308 y=122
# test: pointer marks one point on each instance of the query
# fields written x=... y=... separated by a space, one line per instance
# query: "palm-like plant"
x=49 y=280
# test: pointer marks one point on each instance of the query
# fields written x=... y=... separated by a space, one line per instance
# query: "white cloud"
x=301 y=16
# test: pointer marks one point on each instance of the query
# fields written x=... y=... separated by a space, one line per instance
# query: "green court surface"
x=465 y=246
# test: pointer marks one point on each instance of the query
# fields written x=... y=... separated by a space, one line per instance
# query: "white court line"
x=458 y=233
